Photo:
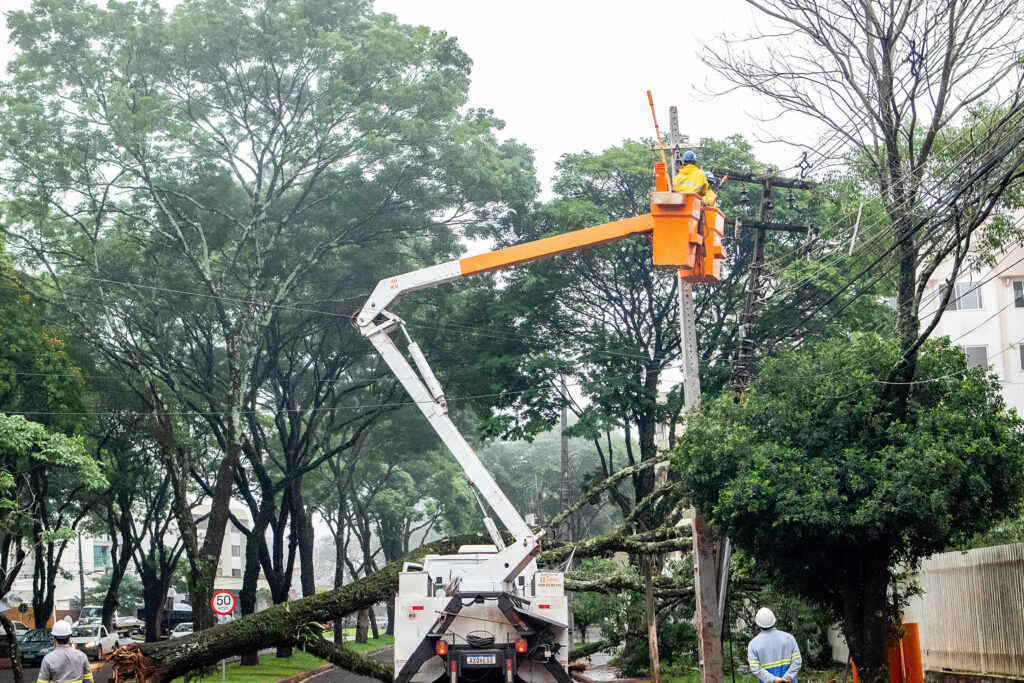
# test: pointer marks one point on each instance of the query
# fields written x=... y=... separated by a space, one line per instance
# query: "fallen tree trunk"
x=314 y=643
x=281 y=624
x=285 y=624
x=592 y=494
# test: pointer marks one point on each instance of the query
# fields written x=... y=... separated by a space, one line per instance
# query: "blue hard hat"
x=689 y=158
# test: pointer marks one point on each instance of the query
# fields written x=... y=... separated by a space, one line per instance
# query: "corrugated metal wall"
x=971 y=612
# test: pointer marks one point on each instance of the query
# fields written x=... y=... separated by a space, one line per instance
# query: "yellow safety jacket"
x=691 y=179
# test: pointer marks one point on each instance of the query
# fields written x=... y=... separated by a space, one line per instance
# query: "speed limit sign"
x=223 y=602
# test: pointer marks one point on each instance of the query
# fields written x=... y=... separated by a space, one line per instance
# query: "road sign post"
x=223 y=602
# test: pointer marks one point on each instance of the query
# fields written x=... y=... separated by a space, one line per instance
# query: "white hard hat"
x=61 y=629
x=765 y=618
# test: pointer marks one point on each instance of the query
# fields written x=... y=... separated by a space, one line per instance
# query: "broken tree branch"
x=653 y=542
x=591 y=495
x=278 y=625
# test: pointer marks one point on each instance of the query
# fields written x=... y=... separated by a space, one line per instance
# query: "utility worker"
x=64 y=664
x=773 y=655
x=692 y=179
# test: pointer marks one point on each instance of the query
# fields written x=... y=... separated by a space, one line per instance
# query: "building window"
x=236 y=551
x=966 y=297
x=977 y=356
x=236 y=572
x=101 y=556
x=1021 y=349
x=1018 y=293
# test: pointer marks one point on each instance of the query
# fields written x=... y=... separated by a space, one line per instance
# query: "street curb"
x=306 y=675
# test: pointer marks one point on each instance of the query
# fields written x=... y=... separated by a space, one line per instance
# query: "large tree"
x=898 y=87
x=179 y=177
x=833 y=497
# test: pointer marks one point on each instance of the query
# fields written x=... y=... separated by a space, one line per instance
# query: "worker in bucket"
x=773 y=655
x=692 y=179
x=64 y=664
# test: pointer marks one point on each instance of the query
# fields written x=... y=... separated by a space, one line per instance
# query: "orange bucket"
x=676 y=228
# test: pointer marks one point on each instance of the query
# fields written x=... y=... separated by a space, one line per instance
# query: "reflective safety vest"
x=774 y=654
x=65 y=665
x=691 y=179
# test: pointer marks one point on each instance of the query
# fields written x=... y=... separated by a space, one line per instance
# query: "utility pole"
x=745 y=353
x=705 y=545
x=81 y=575
x=565 y=498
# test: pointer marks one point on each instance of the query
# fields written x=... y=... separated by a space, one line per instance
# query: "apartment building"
x=985 y=317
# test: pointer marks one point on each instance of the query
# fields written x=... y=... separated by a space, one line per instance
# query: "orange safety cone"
x=896 y=663
x=912 y=654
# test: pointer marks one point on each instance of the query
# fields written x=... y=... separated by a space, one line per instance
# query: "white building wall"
x=68 y=584
x=998 y=325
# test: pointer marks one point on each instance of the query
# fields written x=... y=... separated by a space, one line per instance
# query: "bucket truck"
x=488 y=612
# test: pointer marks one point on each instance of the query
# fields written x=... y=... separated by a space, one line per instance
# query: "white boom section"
x=497 y=573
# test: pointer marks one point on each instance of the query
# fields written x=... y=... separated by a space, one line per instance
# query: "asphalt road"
x=387 y=655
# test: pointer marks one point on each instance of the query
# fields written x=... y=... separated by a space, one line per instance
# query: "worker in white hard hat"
x=64 y=664
x=773 y=655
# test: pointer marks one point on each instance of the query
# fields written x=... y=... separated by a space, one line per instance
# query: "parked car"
x=20 y=629
x=184 y=629
x=94 y=641
x=34 y=645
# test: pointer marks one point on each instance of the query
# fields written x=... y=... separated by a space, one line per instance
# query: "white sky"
x=569 y=75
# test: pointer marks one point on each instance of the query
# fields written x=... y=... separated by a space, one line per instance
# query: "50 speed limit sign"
x=223 y=602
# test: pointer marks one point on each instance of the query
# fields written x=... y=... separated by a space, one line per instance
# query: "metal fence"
x=971 y=610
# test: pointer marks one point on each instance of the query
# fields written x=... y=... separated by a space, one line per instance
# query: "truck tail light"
x=508 y=671
x=521 y=645
x=441 y=648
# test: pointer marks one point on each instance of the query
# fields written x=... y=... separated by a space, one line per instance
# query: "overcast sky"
x=569 y=75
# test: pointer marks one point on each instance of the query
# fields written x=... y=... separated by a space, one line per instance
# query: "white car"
x=20 y=629
x=94 y=640
x=183 y=629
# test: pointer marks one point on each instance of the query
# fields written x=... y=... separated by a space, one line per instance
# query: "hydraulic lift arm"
x=674 y=225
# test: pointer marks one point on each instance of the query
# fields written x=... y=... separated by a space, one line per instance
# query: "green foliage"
x=129 y=593
x=26 y=446
x=812 y=477
x=38 y=377
x=591 y=608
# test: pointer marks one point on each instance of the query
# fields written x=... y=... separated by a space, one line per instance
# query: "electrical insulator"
x=744 y=199
x=791 y=202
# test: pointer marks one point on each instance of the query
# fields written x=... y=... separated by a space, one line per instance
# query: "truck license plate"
x=481 y=659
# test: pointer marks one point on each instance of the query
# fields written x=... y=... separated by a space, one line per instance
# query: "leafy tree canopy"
x=812 y=476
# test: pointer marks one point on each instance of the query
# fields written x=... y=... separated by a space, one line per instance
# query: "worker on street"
x=692 y=179
x=773 y=655
x=65 y=664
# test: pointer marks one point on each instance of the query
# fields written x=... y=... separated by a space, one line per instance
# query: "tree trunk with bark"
x=12 y=643
x=866 y=618
x=247 y=596
x=362 y=626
